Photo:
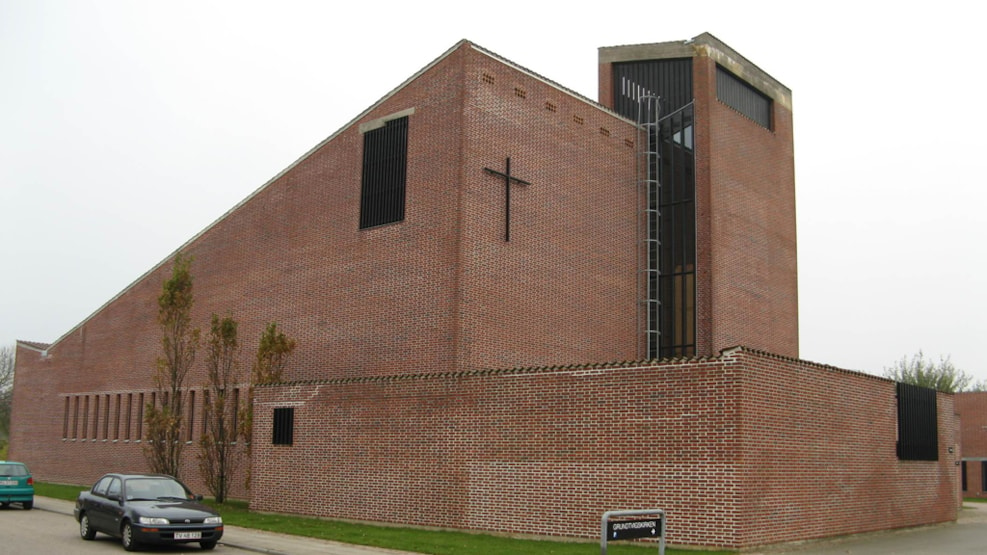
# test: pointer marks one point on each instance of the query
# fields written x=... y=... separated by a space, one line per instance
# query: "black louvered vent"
x=743 y=98
x=669 y=80
x=385 y=162
x=284 y=426
x=918 y=431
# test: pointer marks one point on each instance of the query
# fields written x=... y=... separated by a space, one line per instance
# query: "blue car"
x=146 y=509
x=16 y=485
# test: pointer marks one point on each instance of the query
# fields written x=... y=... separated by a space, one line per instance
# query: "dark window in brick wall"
x=75 y=417
x=116 y=417
x=106 y=417
x=676 y=234
x=918 y=431
x=284 y=426
x=740 y=96
x=95 y=417
x=236 y=413
x=385 y=162
x=191 y=416
x=140 y=417
x=65 y=418
x=130 y=413
x=963 y=473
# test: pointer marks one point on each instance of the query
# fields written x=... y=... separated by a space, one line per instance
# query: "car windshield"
x=154 y=488
x=13 y=470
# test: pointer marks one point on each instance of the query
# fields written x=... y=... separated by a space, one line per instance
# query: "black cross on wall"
x=508 y=179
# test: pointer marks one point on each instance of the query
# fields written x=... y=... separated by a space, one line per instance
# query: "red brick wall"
x=819 y=455
x=743 y=450
x=748 y=276
x=972 y=410
x=437 y=292
x=563 y=290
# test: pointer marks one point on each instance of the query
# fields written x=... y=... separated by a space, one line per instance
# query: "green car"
x=16 y=485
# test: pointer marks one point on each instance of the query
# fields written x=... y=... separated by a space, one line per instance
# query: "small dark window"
x=963 y=473
x=918 y=433
x=284 y=425
x=385 y=162
x=740 y=96
x=983 y=476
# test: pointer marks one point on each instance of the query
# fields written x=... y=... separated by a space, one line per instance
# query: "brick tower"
x=717 y=211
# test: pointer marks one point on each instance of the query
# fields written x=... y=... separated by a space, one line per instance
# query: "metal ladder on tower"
x=648 y=222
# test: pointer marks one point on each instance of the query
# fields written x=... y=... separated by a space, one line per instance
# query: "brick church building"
x=510 y=300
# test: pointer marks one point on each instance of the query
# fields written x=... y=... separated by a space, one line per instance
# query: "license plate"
x=188 y=535
x=8 y=482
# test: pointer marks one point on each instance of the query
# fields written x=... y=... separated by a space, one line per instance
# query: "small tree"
x=220 y=457
x=272 y=358
x=179 y=342
x=942 y=376
x=6 y=395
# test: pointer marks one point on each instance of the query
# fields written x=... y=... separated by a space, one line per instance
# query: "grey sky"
x=126 y=127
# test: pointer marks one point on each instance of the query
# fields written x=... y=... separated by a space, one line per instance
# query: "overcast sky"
x=126 y=127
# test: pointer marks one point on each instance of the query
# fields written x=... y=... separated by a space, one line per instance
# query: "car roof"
x=128 y=475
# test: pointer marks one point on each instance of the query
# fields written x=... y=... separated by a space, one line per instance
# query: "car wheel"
x=85 y=530
x=127 y=537
x=28 y=505
x=207 y=545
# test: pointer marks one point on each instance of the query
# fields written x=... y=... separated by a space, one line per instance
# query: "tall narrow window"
x=983 y=476
x=385 y=161
x=191 y=415
x=130 y=412
x=677 y=234
x=95 y=417
x=65 y=418
x=85 y=417
x=284 y=426
x=106 y=417
x=963 y=474
x=206 y=409
x=236 y=412
x=75 y=417
x=140 y=417
x=116 y=418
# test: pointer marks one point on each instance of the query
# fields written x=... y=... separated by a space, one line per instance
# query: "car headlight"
x=213 y=520
x=152 y=520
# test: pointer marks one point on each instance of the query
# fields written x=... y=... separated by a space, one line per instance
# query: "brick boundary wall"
x=972 y=409
x=742 y=450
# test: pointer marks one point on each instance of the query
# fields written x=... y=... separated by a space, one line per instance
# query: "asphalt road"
x=49 y=529
x=46 y=532
x=967 y=535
